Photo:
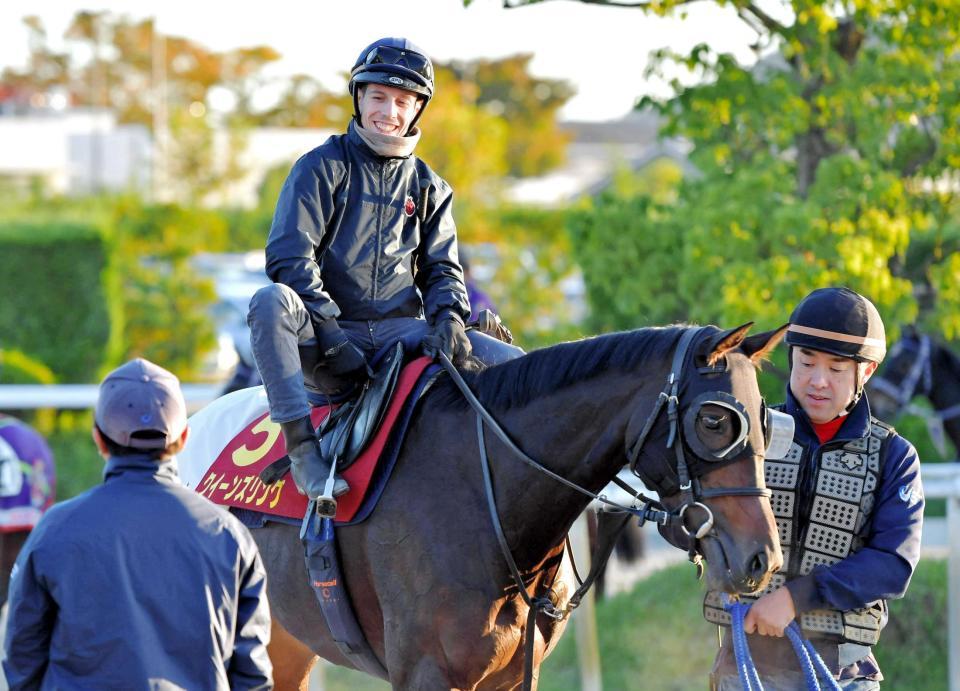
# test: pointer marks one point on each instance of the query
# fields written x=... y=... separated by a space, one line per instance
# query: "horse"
x=918 y=365
x=431 y=587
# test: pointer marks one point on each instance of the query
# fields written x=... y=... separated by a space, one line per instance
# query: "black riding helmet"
x=395 y=62
x=840 y=321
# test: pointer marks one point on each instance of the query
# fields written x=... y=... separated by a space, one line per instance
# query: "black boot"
x=310 y=470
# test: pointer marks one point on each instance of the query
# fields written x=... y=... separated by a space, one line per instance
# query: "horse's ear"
x=758 y=346
x=725 y=341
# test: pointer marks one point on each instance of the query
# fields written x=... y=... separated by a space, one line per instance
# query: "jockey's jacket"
x=366 y=237
x=849 y=514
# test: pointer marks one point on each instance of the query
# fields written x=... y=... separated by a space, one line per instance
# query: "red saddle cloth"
x=234 y=477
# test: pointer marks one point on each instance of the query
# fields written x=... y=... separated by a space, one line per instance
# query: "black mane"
x=541 y=372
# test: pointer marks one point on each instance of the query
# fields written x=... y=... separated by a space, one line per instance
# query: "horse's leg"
x=292 y=660
x=426 y=675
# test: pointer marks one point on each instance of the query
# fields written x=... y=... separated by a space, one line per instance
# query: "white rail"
x=942 y=481
x=83 y=396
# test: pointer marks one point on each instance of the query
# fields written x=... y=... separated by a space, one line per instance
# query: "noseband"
x=691 y=491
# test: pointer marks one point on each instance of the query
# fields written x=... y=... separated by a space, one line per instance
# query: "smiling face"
x=387 y=109
x=824 y=383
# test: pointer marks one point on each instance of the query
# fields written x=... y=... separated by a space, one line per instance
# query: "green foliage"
x=18 y=368
x=78 y=464
x=534 y=259
x=821 y=164
x=657 y=634
x=57 y=304
x=166 y=306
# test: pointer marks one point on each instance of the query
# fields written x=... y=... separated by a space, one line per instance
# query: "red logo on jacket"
x=409 y=208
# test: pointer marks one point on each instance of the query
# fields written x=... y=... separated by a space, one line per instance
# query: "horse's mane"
x=541 y=372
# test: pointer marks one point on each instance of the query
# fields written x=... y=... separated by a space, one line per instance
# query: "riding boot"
x=310 y=470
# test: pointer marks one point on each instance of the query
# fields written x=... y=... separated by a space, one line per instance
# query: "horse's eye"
x=713 y=422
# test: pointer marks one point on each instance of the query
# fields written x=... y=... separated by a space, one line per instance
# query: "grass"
x=654 y=638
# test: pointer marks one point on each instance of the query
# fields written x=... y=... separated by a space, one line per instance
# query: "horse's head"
x=707 y=463
x=905 y=374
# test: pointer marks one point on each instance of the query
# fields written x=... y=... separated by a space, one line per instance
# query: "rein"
x=649 y=509
x=811 y=664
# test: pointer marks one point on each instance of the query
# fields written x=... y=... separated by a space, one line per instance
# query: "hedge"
x=60 y=304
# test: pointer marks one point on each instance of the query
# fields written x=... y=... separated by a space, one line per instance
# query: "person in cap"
x=362 y=252
x=848 y=502
x=139 y=582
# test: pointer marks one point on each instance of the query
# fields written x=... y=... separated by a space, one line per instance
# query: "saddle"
x=346 y=431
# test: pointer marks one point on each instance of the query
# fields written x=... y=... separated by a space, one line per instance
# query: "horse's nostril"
x=758 y=565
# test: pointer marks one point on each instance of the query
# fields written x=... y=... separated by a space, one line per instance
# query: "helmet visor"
x=385 y=55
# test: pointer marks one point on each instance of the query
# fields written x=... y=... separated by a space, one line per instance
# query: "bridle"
x=645 y=508
x=917 y=382
x=691 y=492
x=910 y=385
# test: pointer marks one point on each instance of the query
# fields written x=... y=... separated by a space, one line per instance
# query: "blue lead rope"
x=814 y=669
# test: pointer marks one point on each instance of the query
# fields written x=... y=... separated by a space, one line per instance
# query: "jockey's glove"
x=449 y=337
x=339 y=356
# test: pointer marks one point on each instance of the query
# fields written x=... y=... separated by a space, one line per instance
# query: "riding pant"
x=286 y=351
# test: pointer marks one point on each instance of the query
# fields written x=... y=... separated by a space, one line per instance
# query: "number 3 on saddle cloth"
x=237 y=433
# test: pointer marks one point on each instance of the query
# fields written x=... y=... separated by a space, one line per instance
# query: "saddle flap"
x=343 y=439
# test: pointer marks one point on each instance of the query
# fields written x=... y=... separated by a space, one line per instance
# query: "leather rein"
x=648 y=509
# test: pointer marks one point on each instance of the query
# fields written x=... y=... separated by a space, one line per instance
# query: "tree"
x=822 y=163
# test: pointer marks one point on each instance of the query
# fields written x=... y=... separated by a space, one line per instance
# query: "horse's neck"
x=945 y=388
x=579 y=434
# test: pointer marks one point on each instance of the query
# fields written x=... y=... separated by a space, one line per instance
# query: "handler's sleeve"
x=250 y=667
x=31 y=615
x=882 y=569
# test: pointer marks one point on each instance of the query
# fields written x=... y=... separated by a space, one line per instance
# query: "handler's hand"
x=771 y=614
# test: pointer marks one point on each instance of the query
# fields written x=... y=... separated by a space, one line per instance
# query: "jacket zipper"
x=376 y=258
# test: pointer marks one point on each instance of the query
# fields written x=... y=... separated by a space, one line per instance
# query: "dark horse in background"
x=430 y=585
x=918 y=365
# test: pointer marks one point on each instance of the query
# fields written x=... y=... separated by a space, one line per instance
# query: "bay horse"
x=428 y=580
x=918 y=365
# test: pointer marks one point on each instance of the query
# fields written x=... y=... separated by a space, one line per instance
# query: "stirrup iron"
x=326 y=503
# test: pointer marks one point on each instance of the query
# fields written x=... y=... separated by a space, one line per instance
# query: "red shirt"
x=828 y=430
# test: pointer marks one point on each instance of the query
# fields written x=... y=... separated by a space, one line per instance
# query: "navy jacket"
x=881 y=569
x=138 y=583
x=350 y=237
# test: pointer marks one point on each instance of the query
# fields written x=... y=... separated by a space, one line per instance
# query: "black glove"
x=448 y=337
x=338 y=356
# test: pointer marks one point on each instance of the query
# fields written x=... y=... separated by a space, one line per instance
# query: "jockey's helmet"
x=840 y=321
x=396 y=62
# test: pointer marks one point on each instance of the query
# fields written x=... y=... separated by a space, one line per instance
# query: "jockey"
x=362 y=252
x=848 y=502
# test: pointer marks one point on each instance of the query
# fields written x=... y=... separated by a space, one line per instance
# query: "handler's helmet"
x=395 y=62
x=838 y=321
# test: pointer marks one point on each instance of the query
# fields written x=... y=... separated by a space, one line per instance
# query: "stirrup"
x=326 y=503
